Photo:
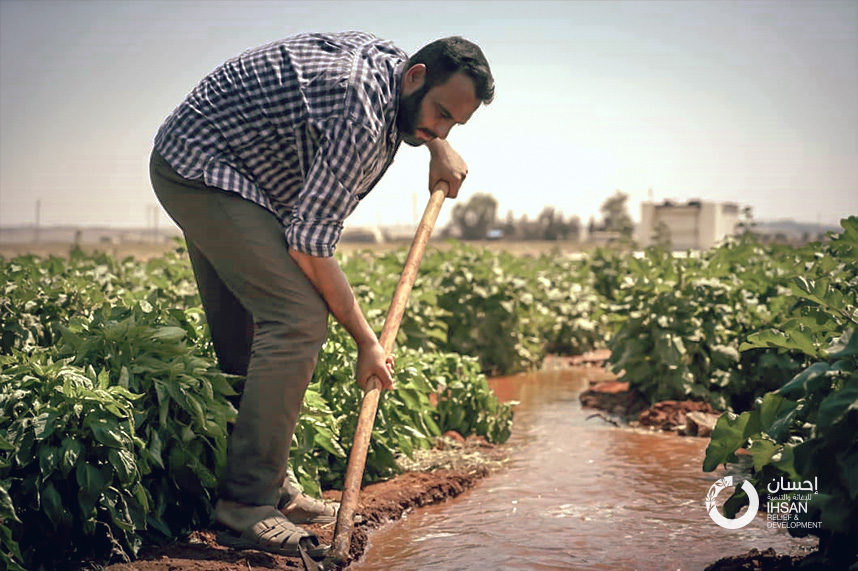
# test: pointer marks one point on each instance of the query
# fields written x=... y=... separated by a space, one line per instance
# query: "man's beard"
x=409 y=115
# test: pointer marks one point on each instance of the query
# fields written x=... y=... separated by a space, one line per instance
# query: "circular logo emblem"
x=725 y=522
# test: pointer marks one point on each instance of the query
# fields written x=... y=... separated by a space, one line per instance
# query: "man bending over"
x=259 y=166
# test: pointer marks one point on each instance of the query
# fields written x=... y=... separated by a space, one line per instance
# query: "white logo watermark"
x=782 y=509
x=725 y=522
x=786 y=502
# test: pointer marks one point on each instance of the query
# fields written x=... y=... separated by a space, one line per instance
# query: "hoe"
x=357 y=459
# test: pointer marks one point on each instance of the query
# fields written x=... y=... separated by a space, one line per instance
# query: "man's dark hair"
x=447 y=56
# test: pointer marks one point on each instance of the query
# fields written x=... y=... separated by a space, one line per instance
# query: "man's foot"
x=301 y=508
x=264 y=528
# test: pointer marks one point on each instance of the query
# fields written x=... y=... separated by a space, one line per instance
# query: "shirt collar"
x=394 y=136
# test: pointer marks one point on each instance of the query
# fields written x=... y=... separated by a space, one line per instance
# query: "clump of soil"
x=615 y=398
x=432 y=476
x=756 y=560
x=691 y=418
x=686 y=417
x=453 y=452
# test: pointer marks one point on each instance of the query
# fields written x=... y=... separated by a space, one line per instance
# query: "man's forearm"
x=327 y=277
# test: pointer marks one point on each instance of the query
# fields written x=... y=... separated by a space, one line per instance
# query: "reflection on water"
x=577 y=494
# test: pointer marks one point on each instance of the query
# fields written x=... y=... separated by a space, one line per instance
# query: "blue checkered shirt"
x=304 y=127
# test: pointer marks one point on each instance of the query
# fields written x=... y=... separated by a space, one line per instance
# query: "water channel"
x=577 y=494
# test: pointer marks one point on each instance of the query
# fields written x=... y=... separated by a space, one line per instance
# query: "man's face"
x=429 y=113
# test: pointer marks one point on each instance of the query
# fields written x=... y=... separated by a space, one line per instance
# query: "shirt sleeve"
x=331 y=189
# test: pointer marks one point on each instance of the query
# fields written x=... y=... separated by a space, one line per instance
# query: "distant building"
x=695 y=225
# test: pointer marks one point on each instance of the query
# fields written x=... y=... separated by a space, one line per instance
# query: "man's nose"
x=444 y=130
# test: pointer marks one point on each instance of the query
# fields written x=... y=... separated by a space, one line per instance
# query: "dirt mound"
x=614 y=397
x=379 y=504
x=686 y=417
x=756 y=560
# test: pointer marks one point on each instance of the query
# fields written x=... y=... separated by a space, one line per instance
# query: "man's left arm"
x=447 y=165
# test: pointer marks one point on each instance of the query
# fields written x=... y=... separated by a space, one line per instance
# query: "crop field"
x=113 y=411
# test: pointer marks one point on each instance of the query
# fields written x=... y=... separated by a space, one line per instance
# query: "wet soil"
x=756 y=560
x=614 y=397
x=454 y=466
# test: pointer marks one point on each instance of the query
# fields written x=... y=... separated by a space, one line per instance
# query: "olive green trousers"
x=267 y=322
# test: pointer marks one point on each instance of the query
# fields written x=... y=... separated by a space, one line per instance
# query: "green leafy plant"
x=435 y=392
x=681 y=321
x=491 y=312
x=115 y=417
x=807 y=429
x=506 y=311
x=69 y=465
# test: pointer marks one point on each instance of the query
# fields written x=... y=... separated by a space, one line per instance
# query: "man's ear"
x=414 y=78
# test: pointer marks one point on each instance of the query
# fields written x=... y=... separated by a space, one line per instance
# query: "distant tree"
x=747 y=223
x=615 y=213
x=508 y=227
x=574 y=227
x=551 y=224
x=529 y=229
x=661 y=236
x=475 y=217
x=468 y=220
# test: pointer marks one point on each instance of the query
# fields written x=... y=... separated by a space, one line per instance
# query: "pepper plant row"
x=113 y=413
x=114 y=416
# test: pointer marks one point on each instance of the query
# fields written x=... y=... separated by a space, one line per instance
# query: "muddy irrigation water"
x=577 y=494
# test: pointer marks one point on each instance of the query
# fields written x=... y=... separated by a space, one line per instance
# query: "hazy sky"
x=754 y=102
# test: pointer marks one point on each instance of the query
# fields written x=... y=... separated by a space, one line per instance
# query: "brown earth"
x=686 y=417
x=756 y=560
x=455 y=466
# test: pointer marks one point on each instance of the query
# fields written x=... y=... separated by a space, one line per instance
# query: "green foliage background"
x=113 y=412
x=806 y=427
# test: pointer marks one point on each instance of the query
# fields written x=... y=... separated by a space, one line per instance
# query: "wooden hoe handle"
x=357 y=459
